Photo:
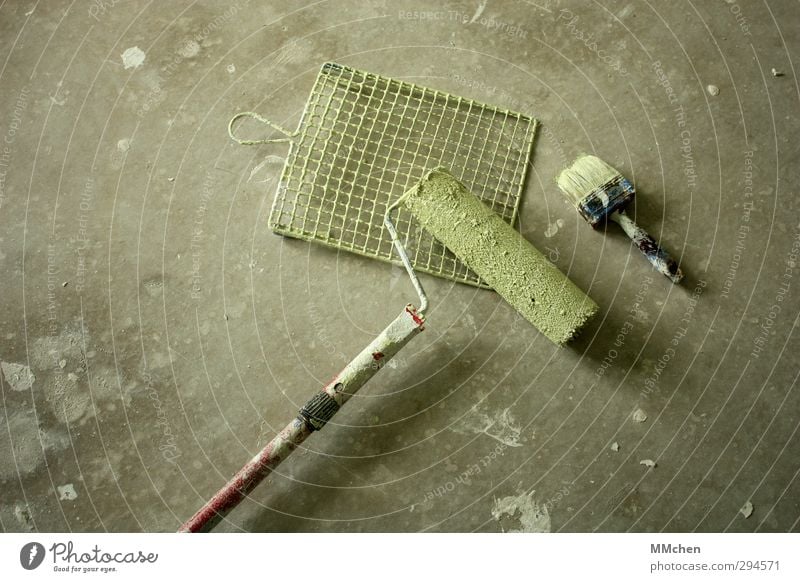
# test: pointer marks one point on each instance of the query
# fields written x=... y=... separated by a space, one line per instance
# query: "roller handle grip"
x=312 y=417
x=658 y=257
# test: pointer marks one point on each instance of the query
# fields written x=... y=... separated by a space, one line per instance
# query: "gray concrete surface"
x=154 y=333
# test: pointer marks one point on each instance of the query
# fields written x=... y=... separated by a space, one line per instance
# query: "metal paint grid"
x=364 y=139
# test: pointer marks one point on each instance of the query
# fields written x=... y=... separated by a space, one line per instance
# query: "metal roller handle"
x=312 y=417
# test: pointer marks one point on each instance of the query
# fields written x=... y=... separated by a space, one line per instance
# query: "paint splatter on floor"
x=552 y=229
x=74 y=389
x=189 y=49
x=501 y=426
x=625 y=12
x=640 y=314
x=19 y=377
x=67 y=492
x=133 y=57
x=22 y=453
x=23 y=516
x=478 y=11
x=532 y=517
x=639 y=415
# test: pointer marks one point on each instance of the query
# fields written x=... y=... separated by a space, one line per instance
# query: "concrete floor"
x=155 y=333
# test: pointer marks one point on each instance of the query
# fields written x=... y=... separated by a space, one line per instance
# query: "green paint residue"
x=500 y=256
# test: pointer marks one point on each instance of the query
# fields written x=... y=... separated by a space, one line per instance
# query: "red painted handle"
x=313 y=416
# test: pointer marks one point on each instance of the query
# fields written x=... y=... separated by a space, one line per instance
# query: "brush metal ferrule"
x=603 y=201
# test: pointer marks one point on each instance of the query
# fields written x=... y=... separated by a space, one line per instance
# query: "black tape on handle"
x=319 y=410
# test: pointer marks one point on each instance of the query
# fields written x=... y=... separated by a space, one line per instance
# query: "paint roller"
x=505 y=260
x=486 y=244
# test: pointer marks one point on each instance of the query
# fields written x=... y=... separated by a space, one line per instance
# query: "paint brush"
x=600 y=193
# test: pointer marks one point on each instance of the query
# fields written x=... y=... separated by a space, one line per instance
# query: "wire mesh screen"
x=365 y=139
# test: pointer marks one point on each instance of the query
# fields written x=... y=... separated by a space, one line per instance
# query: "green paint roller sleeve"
x=499 y=255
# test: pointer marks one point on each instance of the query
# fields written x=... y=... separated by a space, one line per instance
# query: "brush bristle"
x=587 y=174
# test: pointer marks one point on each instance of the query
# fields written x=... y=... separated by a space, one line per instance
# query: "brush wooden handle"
x=657 y=256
